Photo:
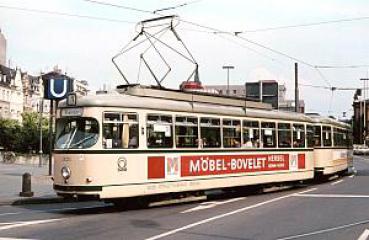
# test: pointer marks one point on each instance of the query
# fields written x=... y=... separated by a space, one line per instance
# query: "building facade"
x=11 y=93
x=360 y=121
x=2 y=49
x=268 y=91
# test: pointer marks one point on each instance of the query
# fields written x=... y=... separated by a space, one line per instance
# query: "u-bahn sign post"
x=56 y=87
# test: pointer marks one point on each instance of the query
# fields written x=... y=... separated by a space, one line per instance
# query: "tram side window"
x=327 y=136
x=268 y=135
x=120 y=130
x=284 y=135
x=251 y=134
x=317 y=136
x=210 y=132
x=159 y=131
x=231 y=133
x=186 y=132
x=349 y=140
x=298 y=136
x=310 y=136
x=339 y=137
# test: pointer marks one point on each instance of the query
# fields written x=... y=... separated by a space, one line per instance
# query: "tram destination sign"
x=71 y=112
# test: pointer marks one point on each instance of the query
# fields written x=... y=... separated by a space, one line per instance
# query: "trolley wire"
x=121 y=6
x=65 y=14
x=306 y=24
x=175 y=7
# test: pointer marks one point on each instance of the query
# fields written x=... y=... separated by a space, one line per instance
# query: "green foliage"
x=25 y=137
x=9 y=134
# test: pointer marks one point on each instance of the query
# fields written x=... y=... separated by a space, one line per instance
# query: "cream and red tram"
x=332 y=147
x=142 y=141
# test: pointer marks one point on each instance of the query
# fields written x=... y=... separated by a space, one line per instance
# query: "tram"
x=143 y=141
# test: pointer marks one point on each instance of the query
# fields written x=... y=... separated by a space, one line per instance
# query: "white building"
x=11 y=93
x=81 y=87
x=2 y=49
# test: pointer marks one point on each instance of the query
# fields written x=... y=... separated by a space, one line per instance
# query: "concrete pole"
x=51 y=121
x=228 y=68
x=296 y=88
x=41 y=110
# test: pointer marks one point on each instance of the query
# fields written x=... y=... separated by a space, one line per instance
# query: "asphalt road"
x=337 y=209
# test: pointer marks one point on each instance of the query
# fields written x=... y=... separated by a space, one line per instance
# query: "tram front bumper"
x=77 y=191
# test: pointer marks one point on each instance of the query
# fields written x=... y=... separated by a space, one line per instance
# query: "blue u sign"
x=58 y=88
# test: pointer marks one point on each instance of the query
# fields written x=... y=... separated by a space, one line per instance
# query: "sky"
x=84 y=47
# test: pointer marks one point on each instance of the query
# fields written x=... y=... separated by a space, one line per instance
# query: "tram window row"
x=121 y=130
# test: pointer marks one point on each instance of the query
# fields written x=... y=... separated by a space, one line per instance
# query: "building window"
x=159 y=131
x=284 y=135
x=210 y=132
x=186 y=132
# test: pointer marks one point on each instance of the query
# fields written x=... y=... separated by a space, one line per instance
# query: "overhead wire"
x=176 y=7
x=120 y=6
x=306 y=24
x=65 y=14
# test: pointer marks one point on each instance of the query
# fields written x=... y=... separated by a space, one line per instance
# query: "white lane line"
x=364 y=235
x=207 y=205
x=174 y=231
x=52 y=210
x=331 y=195
x=325 y=230
x=1 y=238
x=336 y=182
x=28 y=223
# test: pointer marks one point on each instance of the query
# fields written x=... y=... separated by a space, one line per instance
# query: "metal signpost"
x=56 y=87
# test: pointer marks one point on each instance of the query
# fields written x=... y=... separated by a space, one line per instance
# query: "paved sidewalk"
x=11 y=184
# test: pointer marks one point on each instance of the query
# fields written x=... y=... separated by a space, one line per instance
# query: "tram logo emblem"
x=122 y=164
x=172 y=167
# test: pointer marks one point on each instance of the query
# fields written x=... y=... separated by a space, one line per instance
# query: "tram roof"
x=162 y=100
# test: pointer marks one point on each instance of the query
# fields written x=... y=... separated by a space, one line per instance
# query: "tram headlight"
x=65 y=172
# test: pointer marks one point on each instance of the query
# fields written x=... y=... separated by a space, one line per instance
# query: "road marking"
x=53 y=210
x=16 y=238
x=336 y=182
x=325 y=230
x=174 y=231
x=28 y=223
x=364 y=235
x=331 y=195
x=207 y=205
x=351 y=176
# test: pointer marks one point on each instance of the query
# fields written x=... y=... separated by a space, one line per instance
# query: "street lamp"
x=365 y=111
x=228 y=68
x=40 y=109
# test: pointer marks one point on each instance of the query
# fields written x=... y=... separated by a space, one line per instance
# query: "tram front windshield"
x=76 y=133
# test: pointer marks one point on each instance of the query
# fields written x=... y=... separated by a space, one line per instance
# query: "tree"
x=9 y=134
x=25 y=137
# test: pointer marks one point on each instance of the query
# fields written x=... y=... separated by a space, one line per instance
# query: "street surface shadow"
x=363 y=172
